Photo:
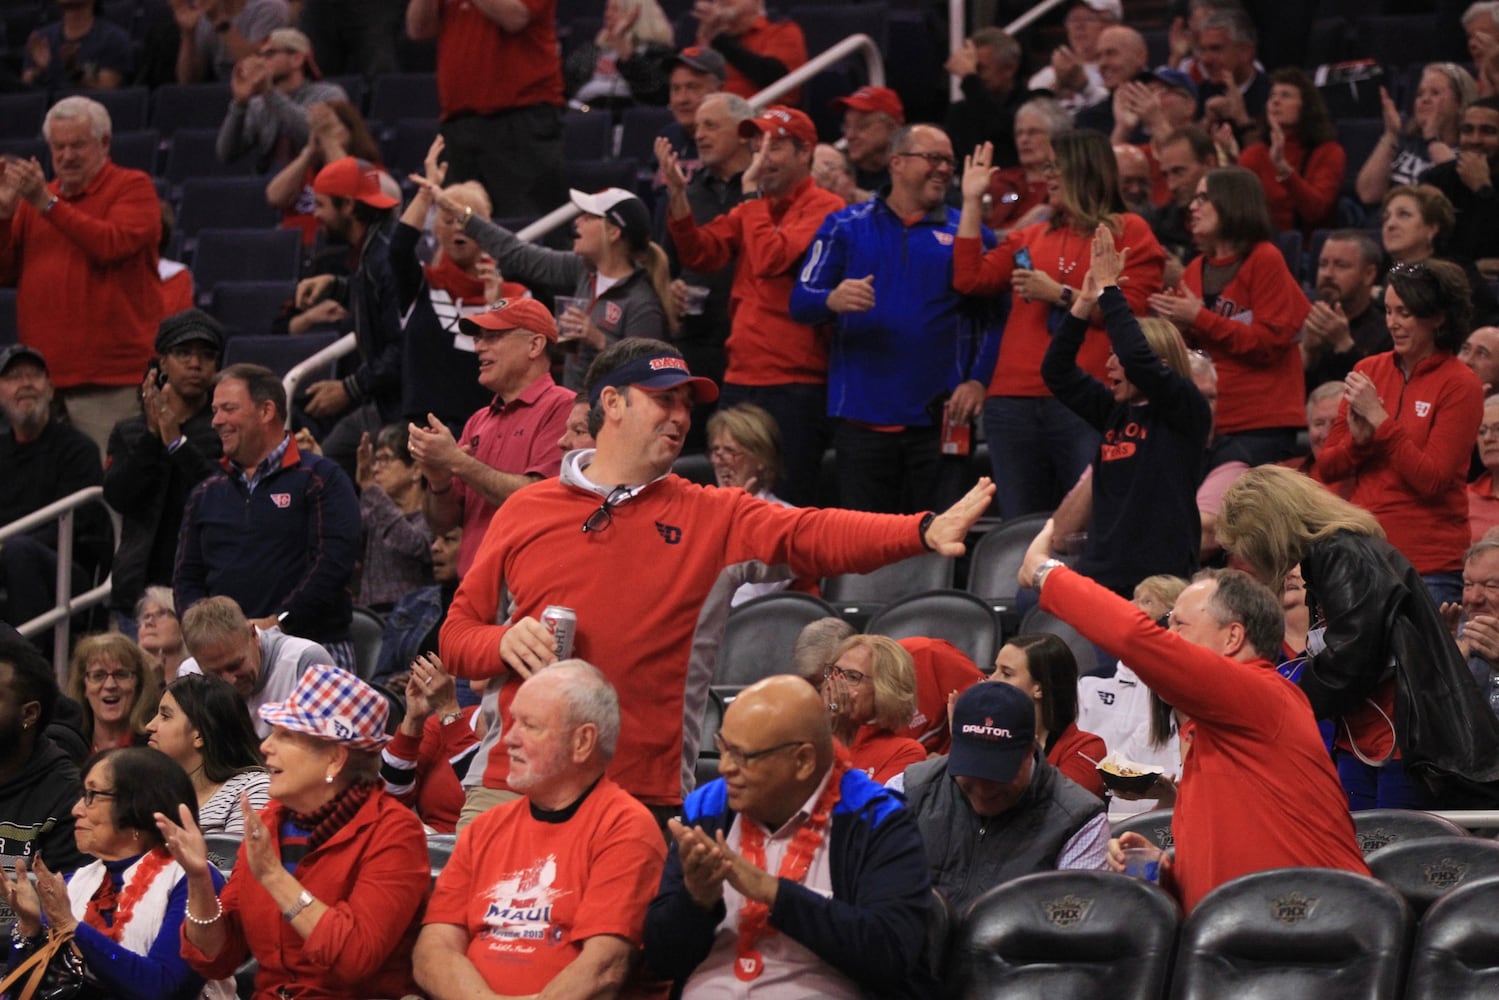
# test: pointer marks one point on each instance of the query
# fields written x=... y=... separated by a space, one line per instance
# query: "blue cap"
x=993 y=732
x=656 y=372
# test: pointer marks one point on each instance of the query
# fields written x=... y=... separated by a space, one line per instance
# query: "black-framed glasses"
x=933 y=159
x=90 y=794
x=604 y=516
x=124 y=678
x=743 y=758
x=851 y=676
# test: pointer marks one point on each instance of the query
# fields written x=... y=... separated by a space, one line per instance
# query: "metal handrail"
x=61 y=511
x=957 y=25
x=343 y=345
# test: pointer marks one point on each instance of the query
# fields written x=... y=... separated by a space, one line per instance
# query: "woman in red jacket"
x=1038 y=447
x=870 y=689
x=1240 y=303
x=1041 y=665
x=1302 y=165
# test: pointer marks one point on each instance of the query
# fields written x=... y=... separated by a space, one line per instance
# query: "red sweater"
x=89 y=296
x=482 y=68
x=436 y=794
x=882 y=754
x=1305 y=199
x=1412 y=475
x=769 y=237
x=941 y=669
x=781 y=40
x=1065 y=255
x=1067 y=756
x=1257 y=789
x=1250 y=333
x=373 y=874
x=639 y=588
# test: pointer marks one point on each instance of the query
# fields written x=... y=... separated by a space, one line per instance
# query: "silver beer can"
x=563 y=624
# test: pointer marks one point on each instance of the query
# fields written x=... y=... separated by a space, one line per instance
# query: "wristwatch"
x=451 y=717
x=302 y=903
x=1065 y=298
x=1039 y=577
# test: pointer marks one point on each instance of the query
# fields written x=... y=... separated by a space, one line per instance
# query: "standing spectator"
x=1430 y=136
x=773 y=361
x=272 y=88
x=627 y=62
x=871 y=116
x=910 y=357
x=986 y=66
x=82 y=250
x=80 y=51
x=44 y=460
x=214 y=35
x=354 y=36
x=759 y=52
x=1234 y=89
x=1468 y=182
x=1345 y=324
x=397 y=542
x=1072 y=75
x=1301 y=168
x=277 y=530
x=503 y=128
x=156 y=458
x=334 y=131
x=1154 y=106
x=39 y=783
x=696 y=74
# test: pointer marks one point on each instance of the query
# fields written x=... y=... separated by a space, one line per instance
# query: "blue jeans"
x=1444 y=588
x=1368 y=787
x=1038 y=448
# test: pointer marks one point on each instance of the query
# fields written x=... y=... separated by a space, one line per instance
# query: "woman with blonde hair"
x=1429 y=137
x=112 y=679
x=1412 y=729
x=870 y=689
x=629 y=60
x=1154 y=423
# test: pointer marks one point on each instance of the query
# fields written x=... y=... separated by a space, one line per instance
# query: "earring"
x=328 y=779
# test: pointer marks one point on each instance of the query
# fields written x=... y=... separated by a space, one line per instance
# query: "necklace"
x=142 y=875
x=1062 y=264
x=754 y=916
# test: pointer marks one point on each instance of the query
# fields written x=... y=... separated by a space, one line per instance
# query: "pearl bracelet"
x=217 y=913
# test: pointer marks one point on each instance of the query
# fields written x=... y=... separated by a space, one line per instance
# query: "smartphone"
x=1023 y=258
x=161 y=376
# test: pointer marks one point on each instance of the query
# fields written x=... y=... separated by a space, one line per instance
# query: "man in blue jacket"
x=911 y=358
x=792 y=870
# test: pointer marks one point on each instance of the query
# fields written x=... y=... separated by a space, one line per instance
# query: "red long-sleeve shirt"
x=1064 y=254
x=1412 y=475
x=1305 y=199
x=1257 y=789
x=781 y=40
x=88 y=294
x=1250 y=333
x=769 y=236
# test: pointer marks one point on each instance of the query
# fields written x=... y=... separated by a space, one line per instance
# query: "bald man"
x=1122 y=57
x=791 y=840
x=1134 y=178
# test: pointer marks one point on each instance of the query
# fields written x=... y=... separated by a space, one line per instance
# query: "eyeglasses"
x=383 y=458
x=90 y=794
x=604 y=516
x=1050 y=167
x=744 y=758
x=934 y=159
x=151 y=616
x=852 y=676
x=1199 y=198
x=124 y=678
x=725 y=451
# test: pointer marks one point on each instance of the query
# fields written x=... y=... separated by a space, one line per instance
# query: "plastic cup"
x=566 y=330
x=1143 y=862
x=697 y=300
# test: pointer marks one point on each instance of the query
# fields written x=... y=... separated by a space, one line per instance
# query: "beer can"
x=563 y=624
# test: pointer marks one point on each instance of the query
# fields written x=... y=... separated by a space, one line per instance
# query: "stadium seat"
x=138 y=150
x=695 y=468
x=192 y=154
x=190 y=106
x=249 y=308
x=1377 y=828
x=1289 y=243
x=1154 y=826
x=857 y=596
x=939 y=930
x=21 y=115
x=1396 y=40
x=403 y=95
x=1089 y=662
x=595 y=175
x=245 y=255
x=355 y=86
x=129 y=107
x=439 y=850
x=366 y=629
x=405 y=147
x=954 y=615
x=1425 y=870
x=639 y=127
x=223 y=203
x=1293 y=933
x=995 y=560
x=587 y=135
x=1075 y=934
x=1457 y=947
x=223 y=849
x=825 y=25
x=1358 y=137
x=279 y=354
x=759 y=634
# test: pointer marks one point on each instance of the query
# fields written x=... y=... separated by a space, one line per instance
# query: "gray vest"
x=969 y=855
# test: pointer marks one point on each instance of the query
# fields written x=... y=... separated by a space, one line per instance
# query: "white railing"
x=293 y=378
x=1471 y=819
x=59 y=618
x=957 y=24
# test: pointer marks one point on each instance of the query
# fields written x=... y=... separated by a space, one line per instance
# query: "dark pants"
x=1267 y=445
x=800 y=410
x=516 y=155
x=1038 y=449
x=354 y=36
x=1369 y=787
x=28 y=577
x=899 y=472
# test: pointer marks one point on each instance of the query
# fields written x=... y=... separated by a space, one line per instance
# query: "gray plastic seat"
x=1377 y=828
x=954 y=615
x=760 y=633
x=1457 y=946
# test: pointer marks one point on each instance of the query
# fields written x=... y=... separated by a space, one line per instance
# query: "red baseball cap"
x=881 y=99
x=513 y=314
x=779 y=120
x=354 y=178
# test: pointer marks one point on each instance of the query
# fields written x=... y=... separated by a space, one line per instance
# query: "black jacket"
x=36 y=810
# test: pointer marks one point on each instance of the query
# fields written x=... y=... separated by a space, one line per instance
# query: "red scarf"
x=754 y=916
x=122 y=905
x=463 y=287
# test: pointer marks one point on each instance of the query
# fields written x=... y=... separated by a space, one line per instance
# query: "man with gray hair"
x=81 y=252
x=813 y=650
x=1234 y=89
x=547 y=893
x=1476 y=623
x=985 y=66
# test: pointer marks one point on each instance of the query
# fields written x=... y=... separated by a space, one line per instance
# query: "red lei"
x=145 y=873
x=754 y=916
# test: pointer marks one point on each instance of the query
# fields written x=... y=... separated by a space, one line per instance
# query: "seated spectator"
x=433 y=746
x=942 y=671
x=1072 y=74
x=1429 y=137
x=397 y=541
x=159 y=633
x=626 y=62
x=39 y=782
x=1322 y=405
x=1234 y=88
x=263 y=664
x=1155 y=106
x=759 y=51
x=985 y=66
x=1042 y=665
x=334 y=131
x=44 y=460
x=176 y=280
x=157 y=457
x=1346 y=322
x=329 y=894
x=834 y=171
x=1483 y=494
x=1134 y=178
x=204 y=726
x=109 y=676
x=1183 y=158
x=412 y=625
x=83 y=50
x=696 y=73
x=1480 y=352
x=1301 y=166
x=272 y=89
x=214 y=35
x=574 y=844
x=993 y=809
x=744 y=446
x=1017 y=195
x=870 y=688
x=1481 y=25
x=1122 y=58
x=1477 y=628
x=1467 y=181
x=815 y=645
x=871 y=116
x=845 y=912
x=1417 y=220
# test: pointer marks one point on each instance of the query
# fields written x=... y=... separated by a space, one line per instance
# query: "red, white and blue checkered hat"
x=332 y=704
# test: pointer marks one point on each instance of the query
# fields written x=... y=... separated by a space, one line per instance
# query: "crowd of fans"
x=1243 y=368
